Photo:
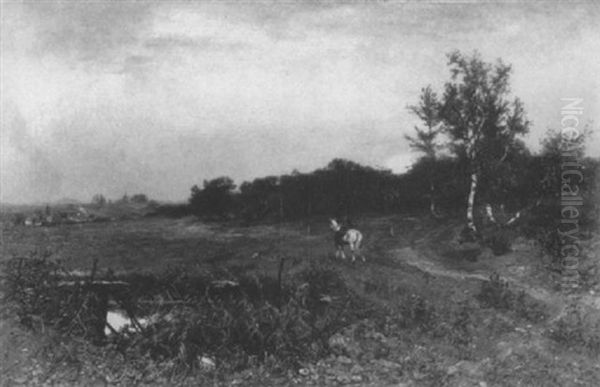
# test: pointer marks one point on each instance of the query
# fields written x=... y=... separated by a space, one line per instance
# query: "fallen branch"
x=170 y=302
x=514 y=218
x=490 y=214
x=94 y=283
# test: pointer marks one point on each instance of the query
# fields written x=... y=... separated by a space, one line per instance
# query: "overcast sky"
x=126 y=97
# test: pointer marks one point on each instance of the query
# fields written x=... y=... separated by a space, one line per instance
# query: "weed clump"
x=576 y=329
x=257 y=320
x=217 y=321
x=497 y=294
x=43 y=294
x=417 y=312
x=500 y=242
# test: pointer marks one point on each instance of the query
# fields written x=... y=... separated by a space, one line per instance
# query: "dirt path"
x=554 y=301
x=507 y=348
x=413 y=258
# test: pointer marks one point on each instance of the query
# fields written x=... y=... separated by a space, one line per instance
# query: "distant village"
x=71 y=214
x=99 y=210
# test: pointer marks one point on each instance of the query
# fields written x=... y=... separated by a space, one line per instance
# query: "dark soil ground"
x=455 y=337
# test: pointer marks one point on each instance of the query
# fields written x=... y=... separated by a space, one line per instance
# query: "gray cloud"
x=34 y=174
x=118 y=97
x=137 y=65
x=90 y=31
x=203 y=43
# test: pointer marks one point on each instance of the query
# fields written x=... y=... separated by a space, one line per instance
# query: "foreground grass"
x=321 y=321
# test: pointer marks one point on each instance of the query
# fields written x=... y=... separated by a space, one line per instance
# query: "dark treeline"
x=527 y=182
x=343 y=188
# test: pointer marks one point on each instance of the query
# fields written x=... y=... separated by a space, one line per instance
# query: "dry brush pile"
x=216 y=321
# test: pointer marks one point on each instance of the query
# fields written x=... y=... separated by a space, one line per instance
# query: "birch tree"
x=479 y=117
x=425 y=138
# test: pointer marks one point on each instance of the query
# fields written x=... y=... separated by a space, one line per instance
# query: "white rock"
x=303 y=371
x=207 y=363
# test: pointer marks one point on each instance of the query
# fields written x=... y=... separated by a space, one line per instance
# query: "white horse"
x=344 y=236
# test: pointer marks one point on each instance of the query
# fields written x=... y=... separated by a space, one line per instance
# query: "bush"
x=18 y=219
x=499 y=241
x=496 y=293
x=576 y=329
x=416 y=312
x=99 y=200
x=237 y=320
x=40 y=297
x=139 y=198
x=215 y=199
x=252 y=319
x=462 y=326
x=172 y=210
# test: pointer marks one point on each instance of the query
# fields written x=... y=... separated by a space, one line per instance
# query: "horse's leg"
x=352 y=251
x=358 y=248
x=360 y=253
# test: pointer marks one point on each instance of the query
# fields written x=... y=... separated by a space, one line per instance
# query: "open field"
x=178 y=180
x=430 y=314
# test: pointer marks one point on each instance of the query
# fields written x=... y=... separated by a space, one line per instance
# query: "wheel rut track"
x=556 y=302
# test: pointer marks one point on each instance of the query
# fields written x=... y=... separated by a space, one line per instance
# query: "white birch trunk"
x=471 y=202
x=432 y=207
x=490 y=213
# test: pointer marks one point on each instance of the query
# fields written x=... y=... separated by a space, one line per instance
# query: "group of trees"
x=341 y=188
x=472 y=158
x=477 y=123
x=481 y=125
x=215 y=199
x=100 y=201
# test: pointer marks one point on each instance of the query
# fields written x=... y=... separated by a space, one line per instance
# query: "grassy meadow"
x=423 y=310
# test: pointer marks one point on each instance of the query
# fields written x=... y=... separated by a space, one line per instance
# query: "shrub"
x=236 y=321
x=139 y=198
x=496 y=293
x=417 y=312
x=462 y=326
x=576 y=329
x=40 y=297
x=172 y=210
x=499 y=241
x=256 y=319
x=18 y=219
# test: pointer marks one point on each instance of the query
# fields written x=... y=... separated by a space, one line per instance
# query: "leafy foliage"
x=237 y=321
x=577 y=329
x=544 y=219
x=499 y=241
x=99 y=200
x=215 y=199
x=428 y=111
x=37 y=287
x=480 y=121
x=497 y=294
x=476 y=112
x=139 y=198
